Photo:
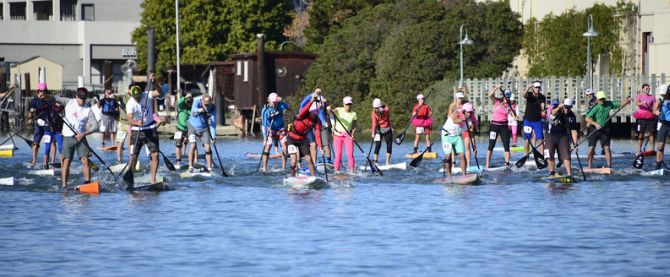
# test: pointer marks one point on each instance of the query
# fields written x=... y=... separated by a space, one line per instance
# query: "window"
x=17 y=11
x=42 y=10
x=67 y=10
x=87 y=12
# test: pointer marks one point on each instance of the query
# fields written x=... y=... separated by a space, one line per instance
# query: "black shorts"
x=603 y=135
x=146 y=137
x=302 y=145
x=663 y=131
x=646 y=126
x=557 y=143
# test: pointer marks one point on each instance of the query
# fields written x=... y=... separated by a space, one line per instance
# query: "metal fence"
x=616 y=88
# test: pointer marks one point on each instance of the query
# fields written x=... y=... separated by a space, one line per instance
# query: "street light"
x=464 y=41
x=589 y=34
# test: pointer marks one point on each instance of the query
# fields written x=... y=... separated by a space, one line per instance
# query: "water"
x=399 y=224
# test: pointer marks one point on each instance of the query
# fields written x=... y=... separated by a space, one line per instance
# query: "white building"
x=89 y=38
x=651 y=49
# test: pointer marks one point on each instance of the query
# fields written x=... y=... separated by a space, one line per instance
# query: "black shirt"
x=534 y=107
x=559 y=124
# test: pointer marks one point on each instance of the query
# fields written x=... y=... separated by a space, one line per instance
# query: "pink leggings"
x=349 y=144
x=514 y=129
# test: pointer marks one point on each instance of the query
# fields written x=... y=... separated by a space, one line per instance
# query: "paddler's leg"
x=349 y=145
x=85 y=169
x=68 y=153
x=504 y=137
x=337 y=143
x=177 y=149
x=294 y=161
x=605 y=141
x=593 y=140
x=153 y=164
x=378 y=146
x=65 y=172
x=191 y=154
x=551 y=148
x=493 y=137
x=417 y=137
x=389 y=146
x=208 y=155
x=310 y=165
x=459 y=148
x=37 y=138
x=466 y=144
x=264 y=157
x=426 y=136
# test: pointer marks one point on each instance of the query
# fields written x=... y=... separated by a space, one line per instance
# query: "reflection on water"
x=399 y=224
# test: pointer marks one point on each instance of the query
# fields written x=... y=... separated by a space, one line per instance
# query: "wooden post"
x=253 y=121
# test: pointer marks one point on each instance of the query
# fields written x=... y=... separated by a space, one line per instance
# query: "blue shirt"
x=197 y=119
x=277 y=121
x=322 y=115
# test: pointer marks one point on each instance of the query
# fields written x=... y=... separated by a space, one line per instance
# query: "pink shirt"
x=500 y=112
x=644 y=111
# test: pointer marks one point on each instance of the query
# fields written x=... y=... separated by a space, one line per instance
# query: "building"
x=650 y=46
x=90 y=39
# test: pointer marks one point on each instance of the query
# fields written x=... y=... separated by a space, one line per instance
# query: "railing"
x=616 y=88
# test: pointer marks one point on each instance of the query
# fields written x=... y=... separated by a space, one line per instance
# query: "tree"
x=209 y=29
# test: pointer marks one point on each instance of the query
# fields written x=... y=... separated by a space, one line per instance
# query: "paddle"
x=371 y=144
x=207 y=115
x=29 y=142
x=539 y=157
x=472 y=145
x=418 y=159
x=373 y=167
x=639 y=160
x=128 y=175
x=523 y=159
x=10 y=138
x=399 y=139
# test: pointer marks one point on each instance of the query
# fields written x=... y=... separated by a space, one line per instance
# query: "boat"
x=303 y=182
x=397 y=166
x=561 y=179
x=468 y=179
x=427 y=155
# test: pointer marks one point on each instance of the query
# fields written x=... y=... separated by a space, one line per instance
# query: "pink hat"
x=347 y=100
x=420 y=96
x=42 y=86
x=468 y=107
x=273 y=97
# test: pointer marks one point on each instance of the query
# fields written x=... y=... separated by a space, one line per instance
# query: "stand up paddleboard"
x=250 y=155
x=108 y=148
x=427 y=155
x=396 y=166
x=118 y=167
x=558 y=179
x=143 y=183
x=45 y=172
x=468 y=179
x=302 y=182
x=604 y=170
x=9 y=181
x=7 y=151
x=657 y=172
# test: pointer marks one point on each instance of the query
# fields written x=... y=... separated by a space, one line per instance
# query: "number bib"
x=178 y=135
x=378 y=137
x=658 y=126
x=46 y=139
x=493 y=135
x=292 y=149
x=191 y=138
x=419 y=130
x=527 y=129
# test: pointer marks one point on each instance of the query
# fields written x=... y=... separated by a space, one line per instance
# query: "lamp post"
x=176 y=15
x=591 y=32
x=464 y=41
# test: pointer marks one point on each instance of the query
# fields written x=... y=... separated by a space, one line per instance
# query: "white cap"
x=537 y=84
x=272 y=97
x=588 y=91
x=420 y=96
x=662 y=89
x=511 y=97
x=347 y=100
x=376 y=103
x=567 y=102
x=460 y=95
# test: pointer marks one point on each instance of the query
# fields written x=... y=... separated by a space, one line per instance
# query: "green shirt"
x=599 y=113
x=346 y=118
x=183 y=113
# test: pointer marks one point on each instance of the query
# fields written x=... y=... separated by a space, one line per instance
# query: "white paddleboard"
x=397 y=166
x=657 y=172
x=468 y=179
x=302 y=182
x=9 y=181
x=7 y=147
x=143 y=181
x=118 y=167
x=45 y=172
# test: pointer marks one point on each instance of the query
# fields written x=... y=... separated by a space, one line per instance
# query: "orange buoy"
x=93 y=188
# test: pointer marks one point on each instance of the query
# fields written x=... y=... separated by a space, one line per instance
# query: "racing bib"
x=46 y=139
x=41 y=122
x=493 y=135
x=546 y=152
x=447 y=148
x=191 y=138
x=658 y=126
x=292 y=149
x=419 y=130
x=527 y=129
x=178 y=135
x=378 y=137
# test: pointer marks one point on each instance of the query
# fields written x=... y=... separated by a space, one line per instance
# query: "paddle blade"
x=169 y=164
x=417 y=161
x=128 y=179
x=560 y=163
x=521 y=161
x=29 y=142
x=639 y=162
x=398 y=140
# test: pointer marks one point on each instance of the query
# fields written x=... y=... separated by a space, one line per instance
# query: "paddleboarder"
x=326 y=130
x=498 y=126
x=562 y=123
x=296 y=141
x=662 y=110
x=78 y=114
x=460 y=101
x=645 y=117
x=381 y=129
x=53 y=136
x=452 y=140
x=597 y=118
x=273 y=129
x=469 y=130
x=533 y=127
x=144 y=126
x=110 y=110
x=512 y=122
x=343 y=133
x=202 y=116
x=181 y=134
x=422 y=122
x=39 y=107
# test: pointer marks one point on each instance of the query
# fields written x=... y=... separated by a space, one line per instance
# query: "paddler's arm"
x=305 y=110
x=656 y=109
x=591 y=121
x=492 y=92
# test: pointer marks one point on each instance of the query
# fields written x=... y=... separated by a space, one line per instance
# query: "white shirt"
x=138 y=113
x=77 y=116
